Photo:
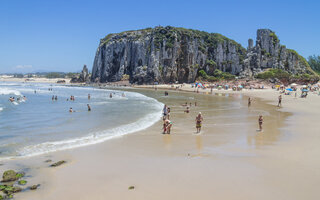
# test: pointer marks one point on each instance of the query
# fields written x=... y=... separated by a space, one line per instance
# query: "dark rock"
x=131 y=188
x=34 y=187
x=9 y=175
x=58 y=163
x=47 y=161
x=61 y=81
x=84 y=76
x=169 y=54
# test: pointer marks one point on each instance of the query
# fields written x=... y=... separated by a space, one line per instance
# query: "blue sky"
x=63 y=35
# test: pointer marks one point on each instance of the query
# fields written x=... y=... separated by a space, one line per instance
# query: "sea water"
x=41 y=125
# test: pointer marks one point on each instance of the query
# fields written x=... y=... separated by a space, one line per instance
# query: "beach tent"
x=289 y=89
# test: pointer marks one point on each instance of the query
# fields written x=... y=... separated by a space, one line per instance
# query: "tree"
x=314 y=62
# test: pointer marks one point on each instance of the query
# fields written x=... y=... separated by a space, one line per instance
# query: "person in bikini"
x=168 y=125
x=199 y=120
x=260 y=120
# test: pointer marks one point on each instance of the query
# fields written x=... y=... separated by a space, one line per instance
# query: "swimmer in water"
x=52 y=98
x=56 y=98
x=89 y=108
x=70 y=110
x=89 y=96
x=187 y=110
x=110 y=95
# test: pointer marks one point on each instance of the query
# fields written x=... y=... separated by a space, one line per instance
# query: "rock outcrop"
x=269 y=53
x=170 y=54
x=84 y=76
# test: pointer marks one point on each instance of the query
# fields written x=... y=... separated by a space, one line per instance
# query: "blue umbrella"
x=305 y=90
x=289 y=89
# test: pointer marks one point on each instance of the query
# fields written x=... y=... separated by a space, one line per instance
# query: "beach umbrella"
x=305 y=90
x=289 y=89
x=304 y=86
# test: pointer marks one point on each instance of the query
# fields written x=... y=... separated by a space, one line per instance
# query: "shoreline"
x=290 y=104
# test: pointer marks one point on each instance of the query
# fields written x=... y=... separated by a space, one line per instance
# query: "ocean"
x=41 y=125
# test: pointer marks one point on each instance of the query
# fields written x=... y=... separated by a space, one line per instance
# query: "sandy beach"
x=230 y=159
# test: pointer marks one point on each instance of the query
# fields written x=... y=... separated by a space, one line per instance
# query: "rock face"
x=169 y=54
x=84 y=76
x=268 y=53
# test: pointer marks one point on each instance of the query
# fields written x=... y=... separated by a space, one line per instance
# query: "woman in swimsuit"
x=260 y=120
x=199 y=120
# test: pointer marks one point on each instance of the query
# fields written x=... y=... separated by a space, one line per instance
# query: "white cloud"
x=23 y=67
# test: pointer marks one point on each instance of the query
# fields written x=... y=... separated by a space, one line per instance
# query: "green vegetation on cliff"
x=314 y=62
x=218 y=75
x=287 y=77
x=168 y=35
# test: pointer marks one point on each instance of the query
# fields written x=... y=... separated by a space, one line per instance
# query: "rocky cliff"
x=170 y=54
x=84 y=76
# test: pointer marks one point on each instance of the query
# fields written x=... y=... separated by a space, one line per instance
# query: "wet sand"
x=230 y=159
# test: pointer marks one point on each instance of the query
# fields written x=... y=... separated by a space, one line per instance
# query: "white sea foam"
x=93 y=138
x=7 y=91
x=1 y=109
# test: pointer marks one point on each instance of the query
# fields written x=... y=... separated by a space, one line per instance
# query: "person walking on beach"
x=249 y=102
x=53 y=98
x=165 y=110
x=260 y=120
x=168 y=125
x=89 y=108
x=199 y=120
x=279 y=100
x=110 y=95
x=168 y=113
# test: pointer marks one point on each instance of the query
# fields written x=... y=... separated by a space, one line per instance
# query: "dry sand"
x=224 y=162
x=35 y=80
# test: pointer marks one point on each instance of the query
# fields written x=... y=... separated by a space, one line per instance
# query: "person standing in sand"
x=279 y=101
x=260 y=120
x=168 y=113
x=199 y=120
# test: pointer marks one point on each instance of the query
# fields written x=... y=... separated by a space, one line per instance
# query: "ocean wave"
x=7 y=91
x=93 y=138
